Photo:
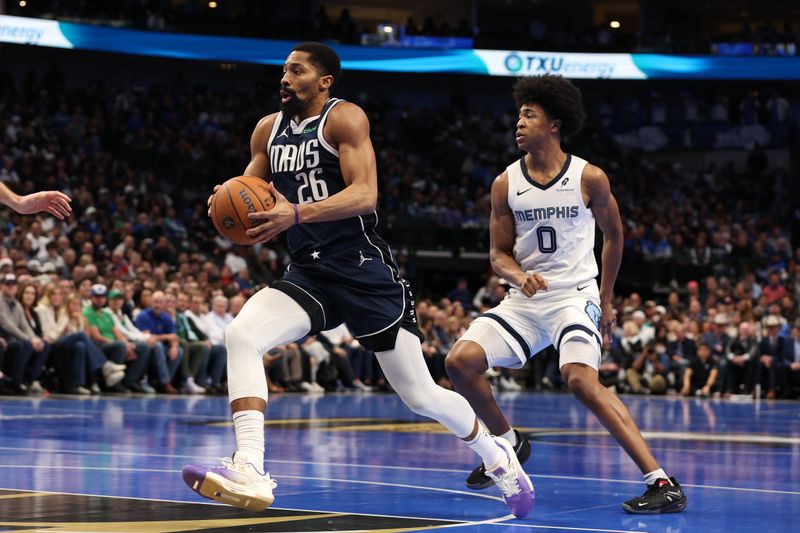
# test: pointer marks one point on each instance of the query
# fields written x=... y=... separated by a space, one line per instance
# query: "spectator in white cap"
x=718 y=339
x=102 y=331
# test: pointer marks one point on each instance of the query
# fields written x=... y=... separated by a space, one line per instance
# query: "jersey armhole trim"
x=587 y=207
x=274 y=131
x=321 y=128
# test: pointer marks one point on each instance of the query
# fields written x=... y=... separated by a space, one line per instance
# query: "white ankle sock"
x=484 y=445
x=510 y=436
x=651 y=477
x=249 y=428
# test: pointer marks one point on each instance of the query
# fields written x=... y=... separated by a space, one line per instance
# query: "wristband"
x=296 y=214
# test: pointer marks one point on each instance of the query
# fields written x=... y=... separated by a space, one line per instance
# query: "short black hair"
x=324 y=58
x=558 y=97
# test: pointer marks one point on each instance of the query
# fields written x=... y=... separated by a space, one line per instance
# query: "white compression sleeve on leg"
x=407 y=373
x=268 y=319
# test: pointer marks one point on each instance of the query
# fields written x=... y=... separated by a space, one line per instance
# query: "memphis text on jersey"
x=547 y=213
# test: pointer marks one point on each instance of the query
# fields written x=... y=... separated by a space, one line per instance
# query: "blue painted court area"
x=366 y=462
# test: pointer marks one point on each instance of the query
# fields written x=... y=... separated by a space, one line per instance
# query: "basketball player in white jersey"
x=544 y=210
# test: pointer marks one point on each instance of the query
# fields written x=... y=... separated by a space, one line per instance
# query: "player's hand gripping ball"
x=232 y=202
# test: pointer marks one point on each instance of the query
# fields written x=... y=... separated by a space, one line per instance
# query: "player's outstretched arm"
x=54 y=202
x=501 y=242
x=606 y=213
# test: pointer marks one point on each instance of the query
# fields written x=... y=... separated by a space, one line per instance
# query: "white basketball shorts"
x=528 y=325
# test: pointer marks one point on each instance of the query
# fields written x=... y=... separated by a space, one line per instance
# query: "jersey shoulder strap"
x=330 y=104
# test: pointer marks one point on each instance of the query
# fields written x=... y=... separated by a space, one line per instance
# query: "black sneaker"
x=478 y=480
x=660 y=497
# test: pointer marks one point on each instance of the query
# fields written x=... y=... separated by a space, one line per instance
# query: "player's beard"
x=293 y=106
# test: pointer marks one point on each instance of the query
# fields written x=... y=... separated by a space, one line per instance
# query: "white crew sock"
x=484 y=445
x=249 y=428
x=510 y=436
x=651 y=477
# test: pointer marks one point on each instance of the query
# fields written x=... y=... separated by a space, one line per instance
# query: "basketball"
x=233 y=201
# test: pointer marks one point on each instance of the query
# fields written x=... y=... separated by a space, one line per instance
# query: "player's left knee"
x=465 y=359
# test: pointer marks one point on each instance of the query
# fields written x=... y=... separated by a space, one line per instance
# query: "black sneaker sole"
x=675 y=507
x=478 y=480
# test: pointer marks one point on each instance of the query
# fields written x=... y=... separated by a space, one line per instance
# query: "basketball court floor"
x=366 y=463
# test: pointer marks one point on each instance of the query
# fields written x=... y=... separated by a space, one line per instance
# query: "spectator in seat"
x=211 y=375
x=113 y=343
x=648 y=371
x=700 y=377
x=155 y=321
x=738 y=365
x=769 y=352
x=789 y=367
x=158 y=369
x=70 y=335
x=27 y=352
x=217 y=320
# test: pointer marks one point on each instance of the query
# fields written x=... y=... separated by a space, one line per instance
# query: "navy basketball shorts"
x=357 y=284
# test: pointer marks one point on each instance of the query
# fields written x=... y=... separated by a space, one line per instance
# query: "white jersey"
x=554 y=229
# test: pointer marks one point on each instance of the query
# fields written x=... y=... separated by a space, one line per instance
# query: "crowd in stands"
x=538 y=28
x=133 y=292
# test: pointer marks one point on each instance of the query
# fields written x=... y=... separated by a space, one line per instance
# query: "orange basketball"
x=234 y=200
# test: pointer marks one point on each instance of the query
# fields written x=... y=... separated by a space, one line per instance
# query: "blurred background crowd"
x=133 y=292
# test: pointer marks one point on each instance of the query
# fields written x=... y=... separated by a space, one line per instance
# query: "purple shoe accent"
x=194 y=475
x=521 y=503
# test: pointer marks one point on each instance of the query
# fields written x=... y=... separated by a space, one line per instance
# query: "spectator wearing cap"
x=27 y=352
x=144 y=342
x=157 y=322
x=789 y=368
x=111 y=341
x=700 y=377
x=738 y=365
x=718 y=338
x=769 y=349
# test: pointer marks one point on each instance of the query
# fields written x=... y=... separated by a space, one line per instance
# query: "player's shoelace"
x=508 y=482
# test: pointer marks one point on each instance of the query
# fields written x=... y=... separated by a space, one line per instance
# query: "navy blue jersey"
x=305 y=169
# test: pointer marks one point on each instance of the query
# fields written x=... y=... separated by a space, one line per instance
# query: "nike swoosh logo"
x=642 y=504
x=581 y=288
x=676 y=494
x=519 y=193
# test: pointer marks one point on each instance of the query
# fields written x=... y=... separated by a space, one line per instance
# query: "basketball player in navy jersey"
x=317 y=156
x=544 y=210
